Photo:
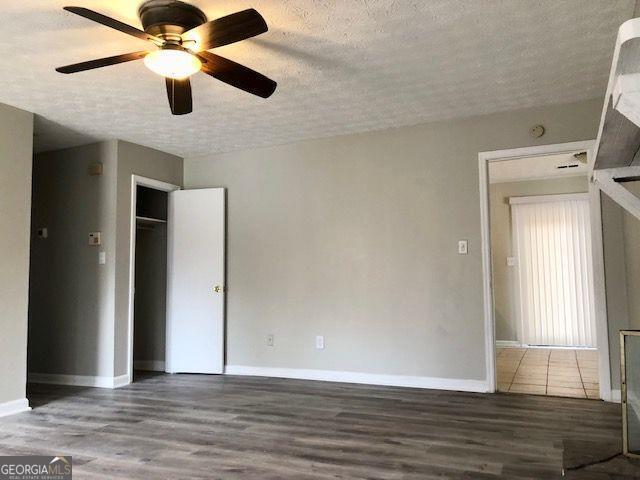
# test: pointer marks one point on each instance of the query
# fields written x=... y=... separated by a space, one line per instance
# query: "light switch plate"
x=43 y=232
x=94 y=239
x=320 y=342
x=463 y=247
x=270 y=340
x=102 y=258
x=511 y=261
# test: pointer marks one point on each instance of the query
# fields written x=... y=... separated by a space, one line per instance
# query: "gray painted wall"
x=621 y=238
x=79 y=309
x=146 y=162
x=615 y=263
x=355 y=238
x=72 y=298
x=632 y=254
x=504 y=277
x=16 y=150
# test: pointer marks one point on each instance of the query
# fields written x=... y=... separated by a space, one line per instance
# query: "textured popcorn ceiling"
x=343 y=66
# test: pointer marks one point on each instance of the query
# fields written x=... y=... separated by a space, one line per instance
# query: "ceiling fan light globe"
x=176 y=64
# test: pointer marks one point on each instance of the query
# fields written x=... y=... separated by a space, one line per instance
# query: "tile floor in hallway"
x=547 y=371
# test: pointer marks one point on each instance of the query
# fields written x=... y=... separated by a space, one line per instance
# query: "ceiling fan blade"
x=113 y=23
x=238 y=75
x=179 y=92
x=226 y=30
x=101 y=62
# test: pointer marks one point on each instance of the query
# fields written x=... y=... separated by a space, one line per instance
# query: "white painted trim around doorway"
x=484 y=158
x=158 y=185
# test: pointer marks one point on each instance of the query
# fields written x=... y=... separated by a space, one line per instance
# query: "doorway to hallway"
x=541 y=279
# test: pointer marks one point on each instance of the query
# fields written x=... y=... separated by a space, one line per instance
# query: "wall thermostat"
x=94 y=239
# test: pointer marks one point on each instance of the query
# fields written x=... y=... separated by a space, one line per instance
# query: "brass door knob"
x=217 y=289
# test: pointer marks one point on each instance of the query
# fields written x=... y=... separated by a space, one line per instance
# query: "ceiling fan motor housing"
x=169 y=18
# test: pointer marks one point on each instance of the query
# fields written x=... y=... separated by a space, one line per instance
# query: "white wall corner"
x=79 y=380
x=14 y=406
x=616 y=395
x=434 y=383
x=120 y=381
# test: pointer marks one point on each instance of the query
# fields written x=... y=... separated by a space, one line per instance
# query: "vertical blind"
x=552 y=241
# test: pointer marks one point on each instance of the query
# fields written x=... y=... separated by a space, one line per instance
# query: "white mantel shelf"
x=619 y=134
x=617 y=151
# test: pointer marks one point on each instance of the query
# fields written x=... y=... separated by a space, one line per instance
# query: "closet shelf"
x=149 y=221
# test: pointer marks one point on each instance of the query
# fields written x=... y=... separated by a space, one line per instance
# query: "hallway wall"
x=16 y=147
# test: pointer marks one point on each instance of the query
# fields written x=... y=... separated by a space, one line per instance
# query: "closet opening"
x=148 y=276
x=150 y=283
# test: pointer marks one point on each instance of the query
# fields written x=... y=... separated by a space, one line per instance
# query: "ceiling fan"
x=183 y=35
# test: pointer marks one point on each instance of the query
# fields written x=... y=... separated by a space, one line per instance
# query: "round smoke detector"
x=536 y=131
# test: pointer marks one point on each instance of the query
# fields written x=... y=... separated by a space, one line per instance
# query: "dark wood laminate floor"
x=197 y=427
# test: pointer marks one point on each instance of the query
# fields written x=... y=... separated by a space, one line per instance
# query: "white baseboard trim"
x=14 y=406
x=459 y=385
x=120 y=381
x=516 y=344
x=79 y=380
x=149 y=365
x=616 y=396
x=508 y=343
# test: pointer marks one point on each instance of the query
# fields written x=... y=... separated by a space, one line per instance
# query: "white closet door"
x=555 y=272
x=195 y=281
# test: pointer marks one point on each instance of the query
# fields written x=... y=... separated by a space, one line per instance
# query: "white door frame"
x=157 y=185
x=602 y=333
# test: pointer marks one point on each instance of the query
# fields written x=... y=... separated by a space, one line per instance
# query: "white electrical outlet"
x=463 y=247
x=511 y=261
x=270 y=340
x=320 y=342
x=102 y=258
